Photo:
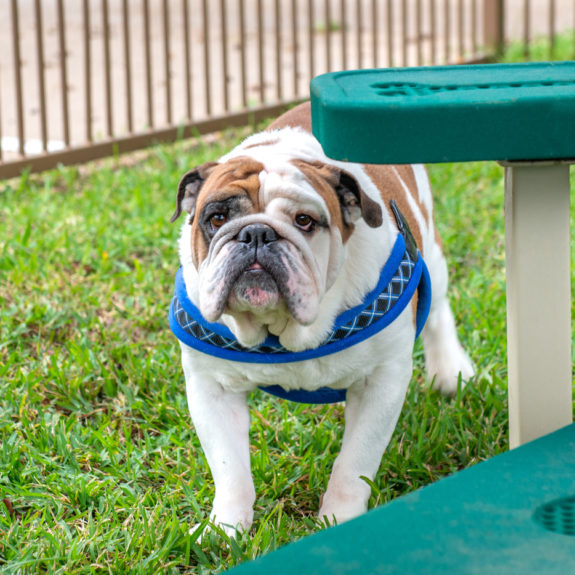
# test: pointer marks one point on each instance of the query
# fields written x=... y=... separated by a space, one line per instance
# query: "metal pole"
x=343 y=19
x=294 y=34
x=207 y=58
x=278 y=45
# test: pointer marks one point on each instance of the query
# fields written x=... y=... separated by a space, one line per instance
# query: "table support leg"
x=538 y=299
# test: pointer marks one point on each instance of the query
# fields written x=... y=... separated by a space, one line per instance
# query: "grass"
x=100 y=469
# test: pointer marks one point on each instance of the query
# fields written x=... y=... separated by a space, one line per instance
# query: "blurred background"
x=81 y=79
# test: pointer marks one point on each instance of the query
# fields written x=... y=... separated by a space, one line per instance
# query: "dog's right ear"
x=189 y=188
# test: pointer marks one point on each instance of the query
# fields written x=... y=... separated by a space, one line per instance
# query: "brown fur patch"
x=383 y=176
x=269 y=142
x=390 y=188
x=239 y=176
x=413 y=303
x=321 y=178
x=408 y=176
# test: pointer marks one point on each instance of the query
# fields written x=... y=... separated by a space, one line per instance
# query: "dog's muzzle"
x=257 y=236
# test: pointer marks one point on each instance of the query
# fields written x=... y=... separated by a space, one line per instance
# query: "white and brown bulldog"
x=281 y=244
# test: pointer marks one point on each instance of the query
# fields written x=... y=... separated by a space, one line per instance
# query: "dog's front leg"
x=221 y=420
x=372 y=409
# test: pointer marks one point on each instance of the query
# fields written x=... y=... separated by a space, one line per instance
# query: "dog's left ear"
x=189 y=188
x=355 y=203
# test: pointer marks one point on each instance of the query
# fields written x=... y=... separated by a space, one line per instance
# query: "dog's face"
x=267 y=242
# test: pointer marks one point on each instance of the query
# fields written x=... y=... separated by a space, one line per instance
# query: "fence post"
x=494 y=26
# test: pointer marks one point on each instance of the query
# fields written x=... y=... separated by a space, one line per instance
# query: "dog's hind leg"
x=445 y=358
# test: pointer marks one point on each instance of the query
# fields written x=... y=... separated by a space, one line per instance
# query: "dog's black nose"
x=257 y=235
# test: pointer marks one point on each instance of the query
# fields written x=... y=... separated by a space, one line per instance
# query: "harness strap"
x=325 y=395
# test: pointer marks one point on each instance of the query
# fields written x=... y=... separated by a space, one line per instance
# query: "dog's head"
x=267 y=241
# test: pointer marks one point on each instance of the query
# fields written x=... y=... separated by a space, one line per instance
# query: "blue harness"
x=403 y=274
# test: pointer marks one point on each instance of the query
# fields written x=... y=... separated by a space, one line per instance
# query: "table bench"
x=516 y=512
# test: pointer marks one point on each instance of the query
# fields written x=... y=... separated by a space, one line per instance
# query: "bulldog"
x=286 y=258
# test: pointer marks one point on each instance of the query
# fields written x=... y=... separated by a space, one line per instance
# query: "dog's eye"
x=305 y=222
x=218 y=220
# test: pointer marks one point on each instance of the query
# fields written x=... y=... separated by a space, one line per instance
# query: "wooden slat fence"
x=81 y=79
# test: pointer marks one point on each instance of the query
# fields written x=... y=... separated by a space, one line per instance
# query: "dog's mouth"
x=255 y=289
x=245 y=282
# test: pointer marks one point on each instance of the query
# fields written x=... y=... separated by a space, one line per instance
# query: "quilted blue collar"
x=403 y=274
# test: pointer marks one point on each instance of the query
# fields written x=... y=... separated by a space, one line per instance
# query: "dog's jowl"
x=311 y=279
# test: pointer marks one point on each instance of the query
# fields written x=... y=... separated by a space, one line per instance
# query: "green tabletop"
x=447 y=114
x=514 y=513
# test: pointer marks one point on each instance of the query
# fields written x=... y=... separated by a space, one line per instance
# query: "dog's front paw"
x=233 y=525
x=232 y=518
x=339 y=507
x=208 y=530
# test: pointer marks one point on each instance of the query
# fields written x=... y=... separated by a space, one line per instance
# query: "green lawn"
x=100 y=468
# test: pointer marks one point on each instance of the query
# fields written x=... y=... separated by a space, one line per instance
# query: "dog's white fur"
x=375 y=373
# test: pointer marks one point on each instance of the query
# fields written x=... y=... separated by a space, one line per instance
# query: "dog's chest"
x=337 y=371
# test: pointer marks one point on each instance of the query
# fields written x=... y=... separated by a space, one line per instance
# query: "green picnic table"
x=516 y=512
